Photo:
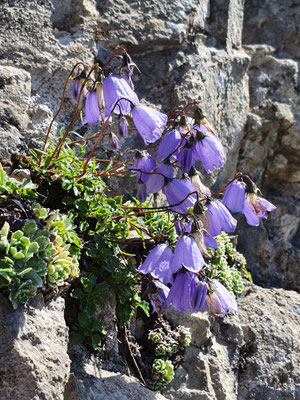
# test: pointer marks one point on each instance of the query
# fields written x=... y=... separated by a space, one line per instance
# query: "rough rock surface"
x=33 y=350
x=89 y=380
x=253 y=354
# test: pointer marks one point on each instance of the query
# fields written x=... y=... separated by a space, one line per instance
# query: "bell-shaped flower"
x=180 y=295
x=199 y=296
x=122 y=126
x=219 y=299
x=178 y=196
x=115 y=88
x=255 y=208
x=114 y=141
x=91 y=109
x=76 y=89
x=127 y=69
x=158 y=295
x=185 y=157
x=143 y=162
x=156 y=180
x=209 y=150
x=217 y=219
x=78 y=82
x=141 y=192
x=168 y=144
x=234 y=196
x=158 y=264
x=148 y=122
x=187 y=255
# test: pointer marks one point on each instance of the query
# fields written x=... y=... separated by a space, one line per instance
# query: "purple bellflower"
x=122 y=126
x=217 y=219
x=78 y=82
x=168 y=144
x=219 y=299
x=199 y=296
x=180 y=295
x=176 y=192
x=187 y=255
x=115 y=88
x=141 y=192
x=143 y=162
x=148 y=122
x=255 y=208
x=91 y=109
x=158 y=264
x=185 y=157
x=114 y=142
x=158 y=296
x=209 y=150
x=156 y=180
x=234 y=196
x=127 y=69
x=76 y=88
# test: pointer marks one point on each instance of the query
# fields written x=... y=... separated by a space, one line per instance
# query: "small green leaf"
x=30 y=228
x=77 y=293
x=84 y=319
x=78 y=337
x=95 y=341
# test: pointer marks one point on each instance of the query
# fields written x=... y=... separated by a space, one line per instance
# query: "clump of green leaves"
x=167 y=344
x=42 y=253
x=227 y=265
x=162 y=373
x=32 y=258
x=11 y=188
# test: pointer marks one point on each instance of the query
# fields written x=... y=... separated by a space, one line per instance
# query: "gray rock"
x=252 y=354
x=33 y=351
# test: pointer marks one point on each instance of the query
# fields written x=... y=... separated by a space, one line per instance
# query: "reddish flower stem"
x=59 y=109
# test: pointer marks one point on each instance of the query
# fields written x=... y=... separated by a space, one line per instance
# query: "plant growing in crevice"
x=189 y=269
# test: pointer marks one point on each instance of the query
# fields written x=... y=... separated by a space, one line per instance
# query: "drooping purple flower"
x=158 y=263
x=209 y=150
x=176 y=192
x=180 y=295
x=234 y=196
x=114 y=142
x=168 y=144
x=143 y=162
x=127 y=69
x=76 y=89
x=219 y=299
x=148 y=122
x=199 y=296
x=217 y=219
x=78 y=82
x=185 y=157
x=156 y=180
x=115 y=88
x=122 y=126
x=158 y=296
x=91 y=109
x=141 y=192
x=255 y=208
x=187 y=255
